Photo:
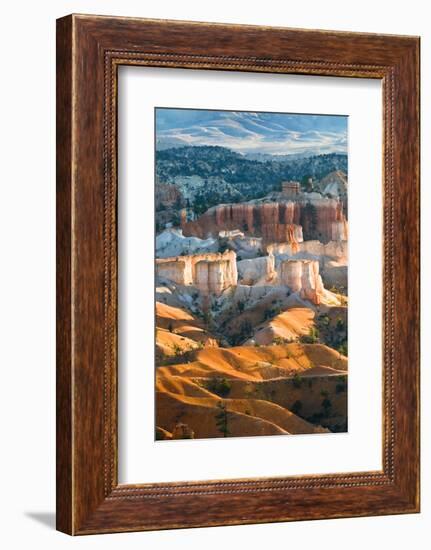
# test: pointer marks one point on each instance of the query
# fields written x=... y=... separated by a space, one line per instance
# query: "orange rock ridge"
x=272 y=221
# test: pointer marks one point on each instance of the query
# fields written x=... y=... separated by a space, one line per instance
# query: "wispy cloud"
x=249 y=132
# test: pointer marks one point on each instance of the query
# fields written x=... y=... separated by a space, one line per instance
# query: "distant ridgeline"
x=219 y=175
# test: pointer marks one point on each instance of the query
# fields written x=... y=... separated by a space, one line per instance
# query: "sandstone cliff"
x=257 y=270
x=332 y=258
x=279 y=221
x=336 y=250
x=302 y=276
x=211 y=273
x=298 y=274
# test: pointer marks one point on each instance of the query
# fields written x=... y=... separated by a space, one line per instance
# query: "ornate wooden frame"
x=89 y=51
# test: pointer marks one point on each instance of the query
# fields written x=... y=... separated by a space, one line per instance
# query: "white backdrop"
x=27 y=406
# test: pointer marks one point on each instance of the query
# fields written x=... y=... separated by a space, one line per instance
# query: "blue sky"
x=251 y=132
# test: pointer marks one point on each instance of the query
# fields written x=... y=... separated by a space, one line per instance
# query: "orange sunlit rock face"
x=321 y=219
x=210 y=273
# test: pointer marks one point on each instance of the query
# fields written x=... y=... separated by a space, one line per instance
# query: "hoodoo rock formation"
x=214 y=273
x=257 y=270
x=210 y=273
x=282 y=221
x=334 y=250
x=302 y=276
x=332 y=258
x=290 y=188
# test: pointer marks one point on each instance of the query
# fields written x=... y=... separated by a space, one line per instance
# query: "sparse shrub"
x=315 y=418
x=223 y=246
x=267 y=314
x=339 y=324
x=326 y=404
x=297 y=381
x=219 y=386
x=177 y=350
x=324 y=320
x=207 y=318
x=311 y=338
x=160 y=436
x=222 y=419
x=215 y=306
x=246 y=329
x=343 y=349
x=297 y=406
x=340 y=387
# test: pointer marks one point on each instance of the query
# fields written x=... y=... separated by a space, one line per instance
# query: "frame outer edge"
x=81 y=508
x=407 y=268
x=64 y=300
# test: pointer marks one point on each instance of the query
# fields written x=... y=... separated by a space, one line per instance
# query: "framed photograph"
x=237 y=274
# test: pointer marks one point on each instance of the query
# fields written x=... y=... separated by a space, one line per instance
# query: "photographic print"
x=251 y=273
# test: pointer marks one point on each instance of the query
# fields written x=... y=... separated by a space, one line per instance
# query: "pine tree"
x=221 y=419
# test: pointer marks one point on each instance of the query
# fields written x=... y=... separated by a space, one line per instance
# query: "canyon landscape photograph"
x=251 y=274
